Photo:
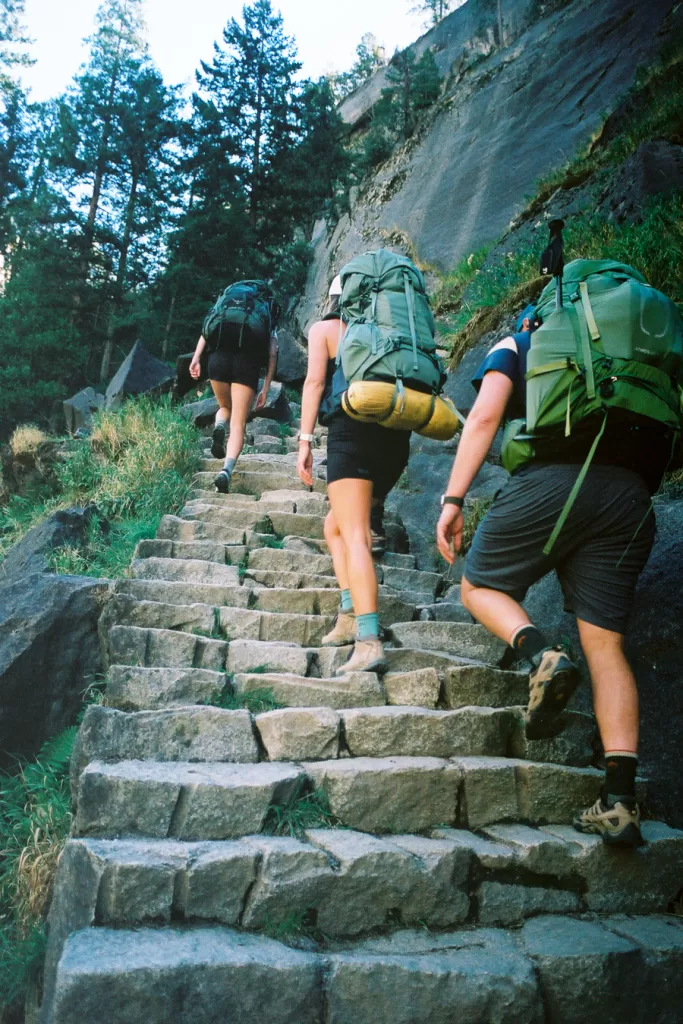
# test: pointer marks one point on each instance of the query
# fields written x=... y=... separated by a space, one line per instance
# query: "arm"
x=475 y=441
x=195 y=368
x=270 y=372
x=313 y=390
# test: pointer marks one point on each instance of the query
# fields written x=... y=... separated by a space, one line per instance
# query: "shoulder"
x=504 y=357
x=318 y=332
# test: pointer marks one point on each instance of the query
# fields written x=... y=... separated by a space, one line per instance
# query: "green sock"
x=367 y=625
x=346 y=604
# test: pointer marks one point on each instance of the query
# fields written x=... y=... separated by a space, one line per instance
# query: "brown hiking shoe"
x=618 y=823
x=367 y=656
x=343 y=632
x=551 y=684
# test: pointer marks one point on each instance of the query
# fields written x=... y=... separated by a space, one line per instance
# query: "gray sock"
x=229 y=466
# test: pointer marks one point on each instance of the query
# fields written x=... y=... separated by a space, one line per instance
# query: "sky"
x=182 y=32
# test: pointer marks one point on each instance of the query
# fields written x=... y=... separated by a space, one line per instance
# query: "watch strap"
x=447 y=499
x=306 y=437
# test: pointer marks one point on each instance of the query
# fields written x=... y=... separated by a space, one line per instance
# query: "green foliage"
x=474 y=512
x=272 y=542
x=436 y=9
x=306 y=810
x=35 y=818
x=135 y=467
x=370 y=58
x=257 y=701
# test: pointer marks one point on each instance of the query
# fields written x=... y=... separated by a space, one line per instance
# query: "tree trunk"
x=256 y=167
x=167 y=332
x=120 y=278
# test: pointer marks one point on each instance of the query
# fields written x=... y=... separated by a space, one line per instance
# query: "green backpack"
x=390 y=332
x=241 y=318
x=615 y=344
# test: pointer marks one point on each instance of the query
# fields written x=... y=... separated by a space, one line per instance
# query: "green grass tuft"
x=307 y=810
x=257 y=701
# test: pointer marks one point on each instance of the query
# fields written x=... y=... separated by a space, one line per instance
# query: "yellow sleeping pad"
x=401 y=408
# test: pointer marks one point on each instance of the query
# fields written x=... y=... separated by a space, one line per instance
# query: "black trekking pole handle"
x=552 y=260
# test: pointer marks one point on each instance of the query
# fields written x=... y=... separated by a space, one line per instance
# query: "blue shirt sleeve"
x=501 y=358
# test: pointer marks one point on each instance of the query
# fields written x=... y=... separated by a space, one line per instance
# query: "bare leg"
x=499 y=612
x=615 y=697
x=337 y=550
x=350 y=501
x=242 y=401
x=224 y=399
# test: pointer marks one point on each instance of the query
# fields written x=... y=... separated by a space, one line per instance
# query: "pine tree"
x=436 y=9
x=370 y=58
x=249 y=86
x=426 y=82
x=401 y=75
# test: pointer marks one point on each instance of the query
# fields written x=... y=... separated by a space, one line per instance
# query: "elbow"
x=484 y=421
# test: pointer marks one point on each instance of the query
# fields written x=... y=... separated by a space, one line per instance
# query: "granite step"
x=128 y=976
x=143 y=688
x=414 y=580
x=189 y=570
x=355 y=689
x=180 y=592
x=193 y=550
x=467 y=640
x=232 y=517
x=174 y=528
x=138 y=646
x=227 y=623
x=371 y=794
x=283 y=560
x=257 y=480
x=353 y=884
x=276 y=580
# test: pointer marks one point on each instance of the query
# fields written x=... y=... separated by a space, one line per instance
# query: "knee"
x=330 y=528
x=466 y=592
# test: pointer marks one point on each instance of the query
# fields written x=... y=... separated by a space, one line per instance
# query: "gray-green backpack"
x=615 y=344
x=390 y=332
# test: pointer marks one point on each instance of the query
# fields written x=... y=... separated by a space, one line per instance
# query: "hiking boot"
x=551 y=684
x=617 y=821
x=222 y=482
x=379 y=543
x=367 y=656
x=218 y=441
x=343 y=631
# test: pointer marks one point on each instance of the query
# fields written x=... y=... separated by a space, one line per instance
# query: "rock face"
x=292 y=359
x=506 y=117
x=139 y=373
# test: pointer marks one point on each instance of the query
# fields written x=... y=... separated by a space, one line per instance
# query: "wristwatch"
x=305 y=437
x=446 y=499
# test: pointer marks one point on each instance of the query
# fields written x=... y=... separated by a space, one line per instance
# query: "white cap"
x=335 y=287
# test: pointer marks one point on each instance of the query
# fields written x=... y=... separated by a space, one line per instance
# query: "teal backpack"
x=390 y=332
x=614 y=344
x=241 y=318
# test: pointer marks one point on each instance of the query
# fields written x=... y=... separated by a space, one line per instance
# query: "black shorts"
x=234 y=366
x=366 y=451
x=598 y=555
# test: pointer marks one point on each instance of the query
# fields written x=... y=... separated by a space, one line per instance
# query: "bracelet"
x=306 y=437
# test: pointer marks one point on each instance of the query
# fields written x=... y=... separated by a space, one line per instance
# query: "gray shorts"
x=598 y=555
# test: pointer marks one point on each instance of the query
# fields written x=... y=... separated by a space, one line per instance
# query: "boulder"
x=201 y=413
x=656 y=168
x=49 y=654
x=292 y=360
x=139 y=373
x=63 y=527
x=277 y=406
x=79 y=409
x=183 y=382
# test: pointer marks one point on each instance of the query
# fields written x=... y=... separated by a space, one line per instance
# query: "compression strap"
x=573 y=494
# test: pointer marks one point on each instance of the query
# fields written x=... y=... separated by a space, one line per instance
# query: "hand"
x=195 y=368
x=449 y=532
x=304 y=464
x=261 y=399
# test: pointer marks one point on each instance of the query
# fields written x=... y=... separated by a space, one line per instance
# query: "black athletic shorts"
x=366 y=451
x=234 y=366
x=598 y=555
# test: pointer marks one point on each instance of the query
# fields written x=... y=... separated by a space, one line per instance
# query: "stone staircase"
x=259 y=840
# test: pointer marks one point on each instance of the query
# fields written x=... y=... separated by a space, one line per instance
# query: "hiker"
x=364 y=461
x=240 y=334
x=602 y=545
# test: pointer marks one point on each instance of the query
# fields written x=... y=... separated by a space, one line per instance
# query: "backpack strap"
x=580 y=328
x=573 y=494
x=410 y=301
x=588 y=310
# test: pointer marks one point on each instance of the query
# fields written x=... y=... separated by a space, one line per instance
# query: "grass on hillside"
x=654 y=247
x=307 y=810
x=135 y=467
x=35 y=818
